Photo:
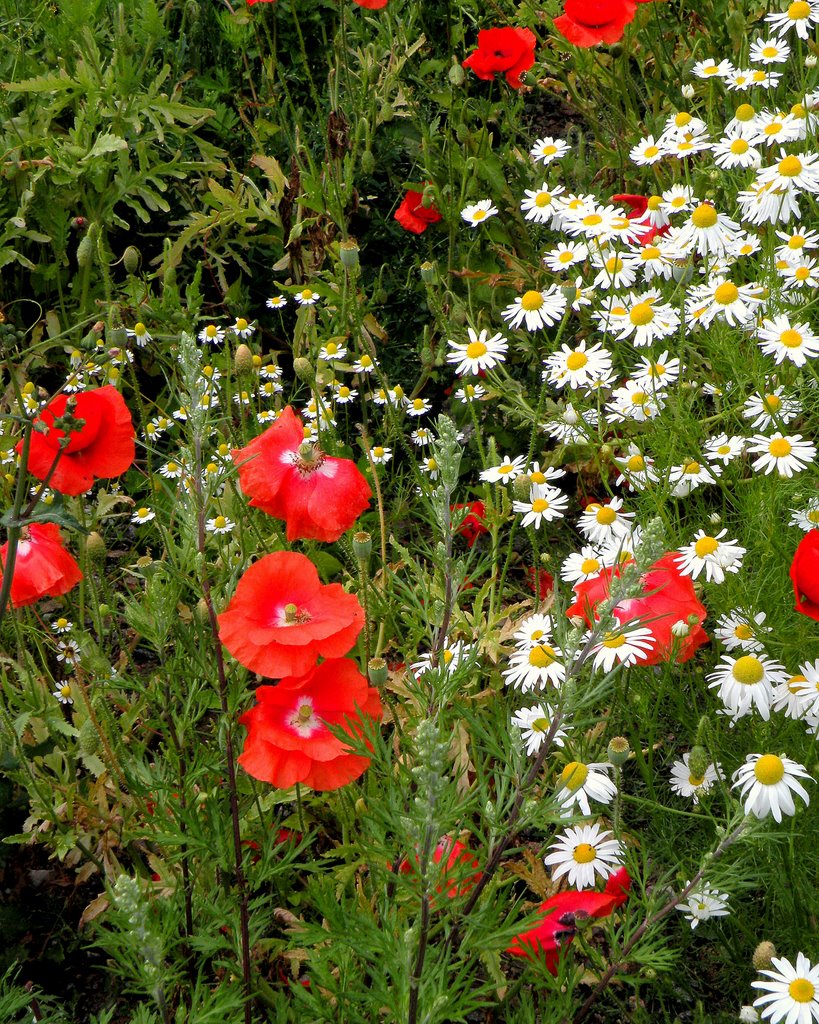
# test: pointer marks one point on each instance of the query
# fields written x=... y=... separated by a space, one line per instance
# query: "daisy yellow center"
x=343 y=391
x=618 y=310
x=211 y=468
x=448 y=656
x=541 y=725
x=651 y=252
x=795 y=683
x=743 y=631
x=748 y=670
x=418 y=403
x=654 y=203
x=639 y=398
x=541 y=656
x=769 y=769
x=657 y=369
x=798 y=110
x=796 y=241
x=636 y=464
x=651 y=151
x=790 y=166
x=577 y=360
x=540 y=505
x=801 y=990
x=565 y=257
x=605 y=516
x=211 y=331
x=332 y=348
x=140 y=328
x=378 y=451
x=641 y=314
x=592 y=220
x=739 y=146
x=726 y=293
x=306 y=294
x=65 y=690
x=432 y=465
x=769 y=51
x=589 y=565
x=772 y=403
x=531 y=300
x=801 y=273
x=506 y=468
x=584 y=854
x=692 y=468
x=799 y=10
x=682 y=119
x=614 y=640
x=241 y=324
x=614 y=264
x=398 y=391
x=813 y=516
x=548 y=150
x=537 y=634
x=543 y=199
x=478 y=214
x=745 y=112
x=704 y=216
x=366 y=361
x=695 y=781
x=705 y=546
x=537 y=477
x=678 y=202
x=780 y=448
x=143 y=512
x=574 y=775
x=774 y=128
x=476 y=349
x=724 y=449
x=61 y=623
x=711 y=69
x=220 y=522
x=791 y=338
x=620 y=223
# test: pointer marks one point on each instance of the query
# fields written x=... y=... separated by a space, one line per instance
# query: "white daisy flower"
x=723 y=448
x=380 y=455
x=470 y=393
x=582 y=853
x=721 y=299
x=706 y=232
x=545 y=504
x=479 y=212
x=534 y=629
x=784 y=454
x=364 y=364
x=343 y=394
x=572 y=427
x=276 y=302
x=792 y=993
x=480 y=353
x=422 y=436
x=617 y=270
x=806 y=686
x=710 y=68
x=773 y=127
x=211 y=334
x=801 y=273
x=797 y=173
x=306 y=297
x=793 y=696
x=741 y=630
x=799 y=16
x=547 y=149
x=768 y=203
x=657 y=373
x=565 y=255
x=535 y=668
x=711 y=555
x=143 y=515
x=578 y=782
x=331 y=351
x=636 y=470
x=63 y=693
x=536 y=309
x=540 y=206
x=678 y=199
x=585 y=564
x=220 y=524
x=796 y=241
x=578 y=366
x=766 y=783
x=140 y=334
x=747 y=682
x=735 y=150
x=771 y=409
x=806 y=519
x=685 y=783
x=625 y=646
x=430 y=467
x=600 y=523
x=690 y=475
x=242 y=328
x=506 y=470
x=647 y=319
x=783 y=340
x=703 y=903
x=418 y=407
x=647 y=151
x=535 y=723
x=635 y=402
x=68 y=651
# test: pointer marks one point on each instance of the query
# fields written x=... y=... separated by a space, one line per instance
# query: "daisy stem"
x=655 y=919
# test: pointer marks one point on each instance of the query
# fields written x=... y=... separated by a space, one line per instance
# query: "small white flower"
x=219 y=524
x=711 y=555
x=63 y=693
x=704 y=903
x=479 y=212
x=579 y=781
x=582 y=853
x=276 y=302
x=242 y=328
x=143 y=515
x=534 y=723
x=211 y=334
x=685 y=783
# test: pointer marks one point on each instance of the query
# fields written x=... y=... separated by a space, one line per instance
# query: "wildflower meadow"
x=409 y=511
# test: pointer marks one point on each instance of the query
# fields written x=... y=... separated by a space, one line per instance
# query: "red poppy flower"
x=288 y=740
x=561 y=913
x=318 y=496
x=805 y=575
x=668 y=597
x=546 y=582
x=460 y=871
x=42 y=566
x=282 y=618
x=413 y=216
x=510 y=50
x=102 y=448
x=589 y=22
x=473 y=523
x=250 y=3
x=371 y=5
x=639 y=208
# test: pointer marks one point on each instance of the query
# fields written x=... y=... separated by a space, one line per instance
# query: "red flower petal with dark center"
x=318 y=496
x=413 y=216
x=282 y=618
x=102 y=448
x=804 y=575
x=288 y=740
x=42 y=566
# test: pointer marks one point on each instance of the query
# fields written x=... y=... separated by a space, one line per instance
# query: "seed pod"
x=131 y=259
x=243 y=361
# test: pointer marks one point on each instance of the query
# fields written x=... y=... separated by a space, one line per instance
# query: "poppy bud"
x=243 y=361
x=95 y=547
x=763 y=956
x=131 y=259
x=521 y=486
x=303 y=369
x=85 y=251
x=367 y=161
x=456 y=74
x=201 y=613
x=377 y=671
x=88 y=738
x=78 y=223
x=699 y=762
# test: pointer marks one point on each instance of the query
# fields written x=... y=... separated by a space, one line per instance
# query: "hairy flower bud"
x=243 y=361
x=95 y=547
x=131 y=259
x=763 y=955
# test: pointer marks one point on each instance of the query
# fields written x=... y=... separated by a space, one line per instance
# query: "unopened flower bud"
x=361 y=806
x=521 y=486
x=748 y=1015
x=303 y=369
x=200 y=612
x=367 y=161
x=763 y=955
x=243 y=361
x=687 y=91
x=377 y=671
x=428 y=272
x=456 y=74
x=698 y=762
x=131 y=258
x=810 y=60
x=95 y=547
x=348 y=252
x=362 y=545
x=680 y=629
x=618 y=750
